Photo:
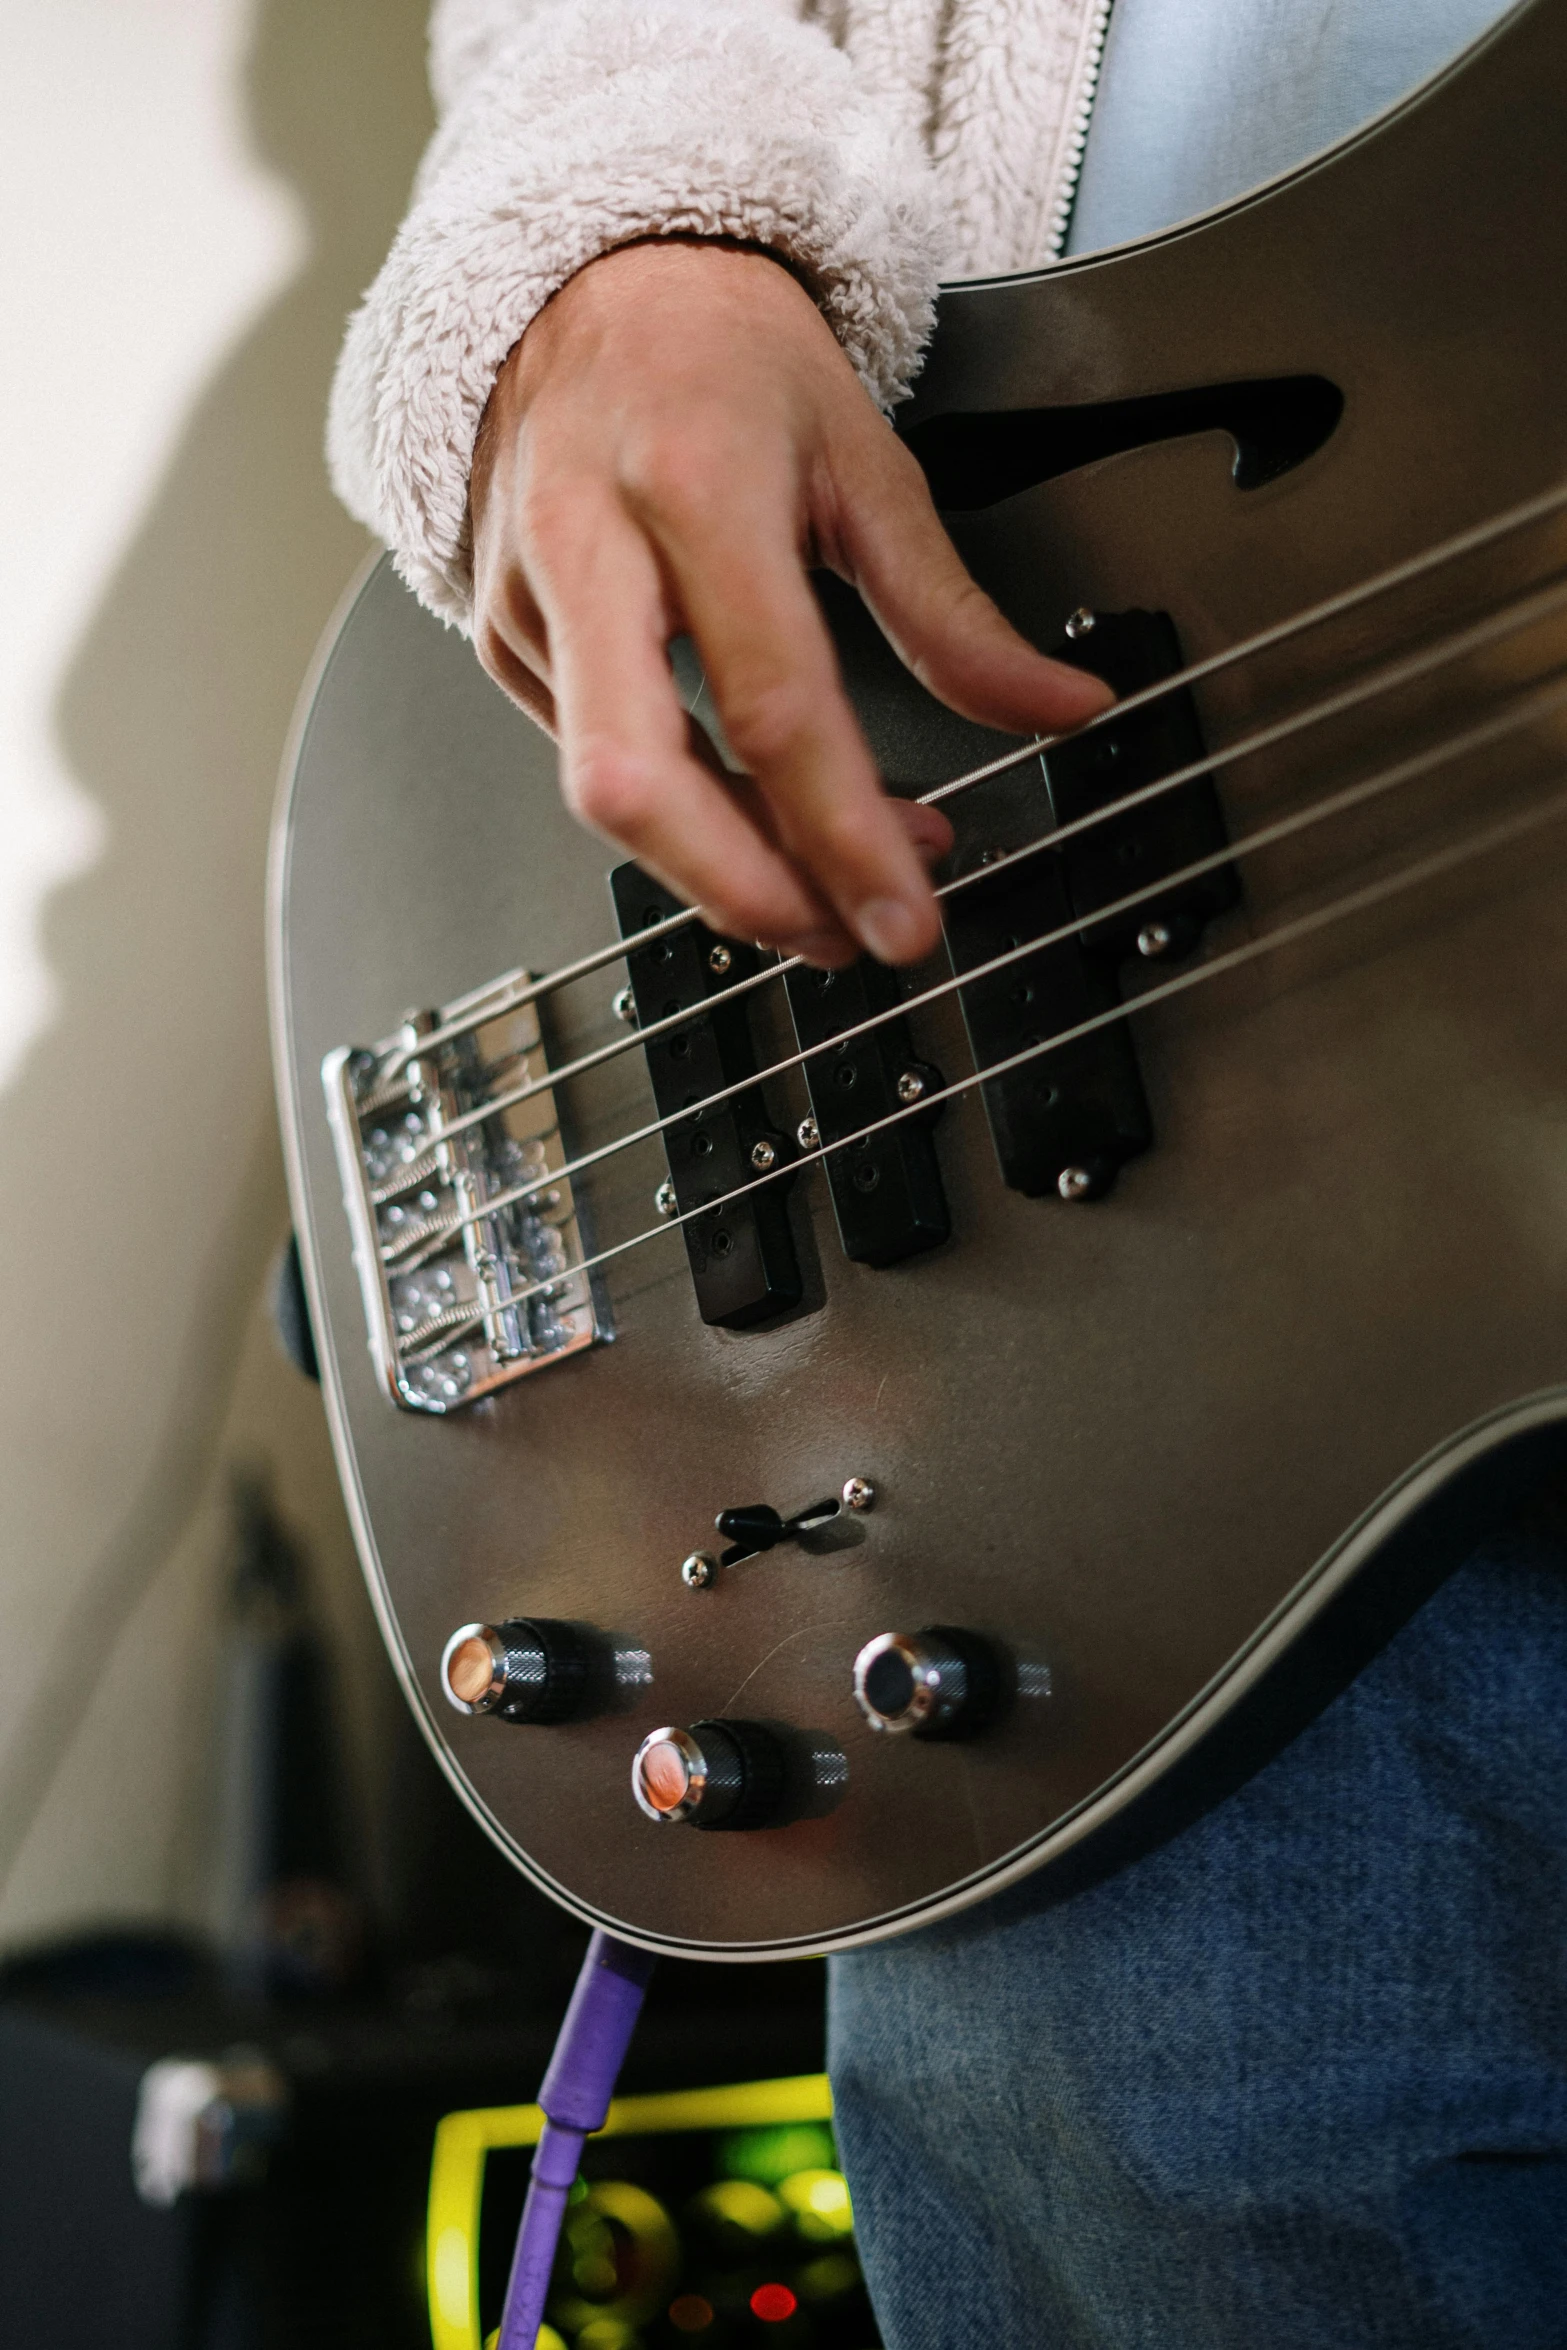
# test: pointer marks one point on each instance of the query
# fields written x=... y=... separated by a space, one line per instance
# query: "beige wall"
x=194 y=193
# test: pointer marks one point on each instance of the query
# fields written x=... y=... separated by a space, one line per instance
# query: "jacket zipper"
x=1093 y=59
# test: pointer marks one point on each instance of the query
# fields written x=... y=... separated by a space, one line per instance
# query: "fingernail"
x=889 y=928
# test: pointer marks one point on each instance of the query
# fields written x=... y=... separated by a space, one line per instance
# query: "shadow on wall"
x=138 y=1157
x=176 y=706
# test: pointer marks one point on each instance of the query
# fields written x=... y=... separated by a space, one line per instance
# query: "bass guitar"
x=823 y=1446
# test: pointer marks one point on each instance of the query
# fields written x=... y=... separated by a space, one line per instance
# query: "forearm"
x=572 y=127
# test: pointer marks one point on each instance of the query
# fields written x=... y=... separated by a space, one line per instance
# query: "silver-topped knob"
x=714 y=1775
x=939 y=1683
x=524 y=1670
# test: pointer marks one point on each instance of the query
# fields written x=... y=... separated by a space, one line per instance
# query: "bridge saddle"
x=467 y=1236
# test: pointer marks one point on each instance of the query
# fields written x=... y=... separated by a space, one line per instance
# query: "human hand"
x=673 y=442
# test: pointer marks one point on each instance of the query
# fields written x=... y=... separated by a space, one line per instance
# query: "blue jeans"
x=1296 y=2078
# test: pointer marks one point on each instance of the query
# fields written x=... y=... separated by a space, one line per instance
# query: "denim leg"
x=1297 y=2079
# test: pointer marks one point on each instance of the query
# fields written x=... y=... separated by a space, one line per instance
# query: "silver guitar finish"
x=1142 y=1442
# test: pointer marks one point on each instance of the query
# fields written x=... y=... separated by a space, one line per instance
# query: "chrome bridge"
x=466 y=1234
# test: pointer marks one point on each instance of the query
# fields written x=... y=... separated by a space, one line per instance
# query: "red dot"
x=773 y=2303
x=690 y=2313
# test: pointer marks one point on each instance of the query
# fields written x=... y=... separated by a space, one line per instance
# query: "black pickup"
x=1131 y=854
x=886 y=1188
x=1080 y=1108
x=743 y=1260
x=1068 y=1120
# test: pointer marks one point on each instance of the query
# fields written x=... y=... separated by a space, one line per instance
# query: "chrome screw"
x=1082 y=622
x=807 y=1134
x=763 y=1156
x=1074 y=1183
x=719 y=960
x=1153 y=940
x=858 y=1494
x=699 y=1570
x=624 y=1007
x=664 y=1198
x=911 y=1086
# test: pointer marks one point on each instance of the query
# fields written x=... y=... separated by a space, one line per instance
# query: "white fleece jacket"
x=880 y=145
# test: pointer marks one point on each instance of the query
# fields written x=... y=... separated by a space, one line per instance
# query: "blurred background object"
x=706 y=2219
x=288 y=1919
x=231 y=2131
x=251 y=1947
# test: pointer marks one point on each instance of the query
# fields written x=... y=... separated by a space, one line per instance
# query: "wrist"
x=651 y=275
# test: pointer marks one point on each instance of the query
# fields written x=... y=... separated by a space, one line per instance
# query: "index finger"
x=626 y=763
x=737 y=575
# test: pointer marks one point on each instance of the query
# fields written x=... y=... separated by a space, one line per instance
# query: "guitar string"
x=426 y=1239
x=399 y=1262
x=1526 y=612
x=405 y=1256
x=1414 y=567
x=1355 y=901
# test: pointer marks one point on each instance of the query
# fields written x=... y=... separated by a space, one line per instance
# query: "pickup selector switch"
x=939 y=1683
x=528 y=1669
x=714 y=1775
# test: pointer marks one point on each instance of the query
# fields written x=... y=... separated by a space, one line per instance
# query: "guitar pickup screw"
x=1176 y=937
x=1083 y=1182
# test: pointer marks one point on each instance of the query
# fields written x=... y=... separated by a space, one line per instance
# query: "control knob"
x=939 y=1683
x=714 y=1775
x=528 y=1669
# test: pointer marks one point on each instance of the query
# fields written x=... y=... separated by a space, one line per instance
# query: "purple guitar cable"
x=577 y=2089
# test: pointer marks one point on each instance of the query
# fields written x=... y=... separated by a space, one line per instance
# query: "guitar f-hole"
x=977 y=460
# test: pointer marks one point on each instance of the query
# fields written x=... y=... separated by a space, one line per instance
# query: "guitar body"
x=1156 y=1447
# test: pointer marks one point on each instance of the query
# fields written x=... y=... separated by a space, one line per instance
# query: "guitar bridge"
x=467 y=1237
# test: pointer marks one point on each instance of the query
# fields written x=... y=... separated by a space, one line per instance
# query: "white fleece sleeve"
x=570 y=127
